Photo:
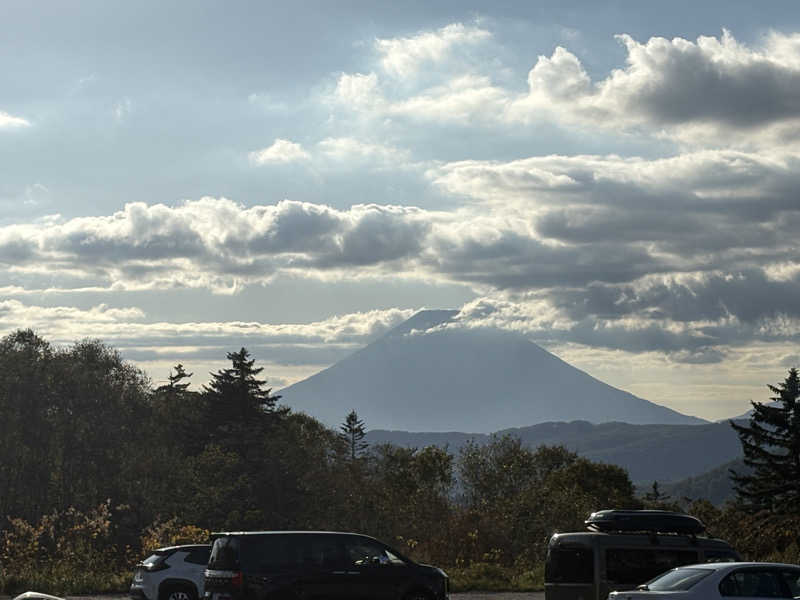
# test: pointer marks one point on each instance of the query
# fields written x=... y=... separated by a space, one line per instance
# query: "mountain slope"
x=420 y=377
x=714 y=485
x=649 y=453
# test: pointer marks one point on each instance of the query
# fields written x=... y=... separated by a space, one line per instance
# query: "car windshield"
x=677 y=580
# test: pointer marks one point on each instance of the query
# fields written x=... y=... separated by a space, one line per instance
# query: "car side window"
x=198 y=556
x=322 y=551
x=791 y=577
x=634 y=566
x=761 y=583
x=362 y=552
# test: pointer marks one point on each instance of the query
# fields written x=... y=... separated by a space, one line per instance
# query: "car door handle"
x=354 y=572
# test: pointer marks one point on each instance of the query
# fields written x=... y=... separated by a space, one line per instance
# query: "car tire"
x=178 y=593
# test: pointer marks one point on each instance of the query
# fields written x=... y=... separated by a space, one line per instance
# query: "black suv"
x=305 y=565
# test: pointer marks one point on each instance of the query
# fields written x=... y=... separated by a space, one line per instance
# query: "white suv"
x=173 y=573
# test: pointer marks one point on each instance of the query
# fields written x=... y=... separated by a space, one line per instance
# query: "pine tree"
x=771 y=445
x=174 y=384
x=655 y=495
x=352 y=433
x=237 y=398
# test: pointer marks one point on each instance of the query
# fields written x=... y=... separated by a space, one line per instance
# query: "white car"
x=712 y=581
x=173 y=573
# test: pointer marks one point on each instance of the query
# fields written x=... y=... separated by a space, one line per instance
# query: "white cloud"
x=281 y=151
x=353 y=149
x=8 y=121
x=67 y=323
x=290 y=351
x=358 y=91
x=461 y=99
x=402 y=57
x=715 y=85
x=565 y=221
x=681 y=255
x=36 y=194
x=711 y=91
x=122 y=109
x=214 y=243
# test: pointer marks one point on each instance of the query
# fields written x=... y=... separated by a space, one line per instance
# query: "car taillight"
x=236 y=580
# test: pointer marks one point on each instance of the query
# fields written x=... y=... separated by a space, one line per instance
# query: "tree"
x=771 y=445
x=352 y=434
x=174 y=384
x=26 y=398
x=237 y=397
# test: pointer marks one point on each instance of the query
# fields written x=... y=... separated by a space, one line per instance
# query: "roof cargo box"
x=657 y=521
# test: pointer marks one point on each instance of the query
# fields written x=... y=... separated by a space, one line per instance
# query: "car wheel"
x=180 y=593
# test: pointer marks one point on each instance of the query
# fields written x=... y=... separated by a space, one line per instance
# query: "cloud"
x=565 y=221
x=280 y=152
x=714 y=90
x=402 y=57
x=693 y=336
x=680 y=255
x=350 y=149
x=358 y=91
x=716 y=86
x=465 y=98
x=122 y=109
x=213 y=243
x=319 y=342
x=8 y=121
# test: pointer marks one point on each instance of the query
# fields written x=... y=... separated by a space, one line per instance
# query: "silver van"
x=623 y=549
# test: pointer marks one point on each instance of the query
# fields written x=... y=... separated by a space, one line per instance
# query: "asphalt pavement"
x=461 y=596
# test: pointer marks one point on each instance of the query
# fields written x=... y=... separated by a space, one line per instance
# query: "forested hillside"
x=98 y=467
x=648 y=452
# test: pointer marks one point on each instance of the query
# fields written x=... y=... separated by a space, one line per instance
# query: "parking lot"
x=461 y=596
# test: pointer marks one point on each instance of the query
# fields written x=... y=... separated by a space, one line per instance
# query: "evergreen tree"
x=352 y=434
x=771 y=445
x=655 y=495
x=236 y=395
x=179 y=414
x=174 y=385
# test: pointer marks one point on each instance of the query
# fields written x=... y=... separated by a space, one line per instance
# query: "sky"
x=616 y=181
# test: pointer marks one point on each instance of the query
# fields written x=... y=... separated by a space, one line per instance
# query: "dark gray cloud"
x=713 y=79
x=717 y=83
x=512 y=260
x=747 y=296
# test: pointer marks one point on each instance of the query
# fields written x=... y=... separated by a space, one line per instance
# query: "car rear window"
x=198 y=556
x=678 y=580
x=570 y=565
x=225 y=554
x=155 y=559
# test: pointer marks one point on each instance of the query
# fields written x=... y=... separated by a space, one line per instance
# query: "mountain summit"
x=426 y=376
